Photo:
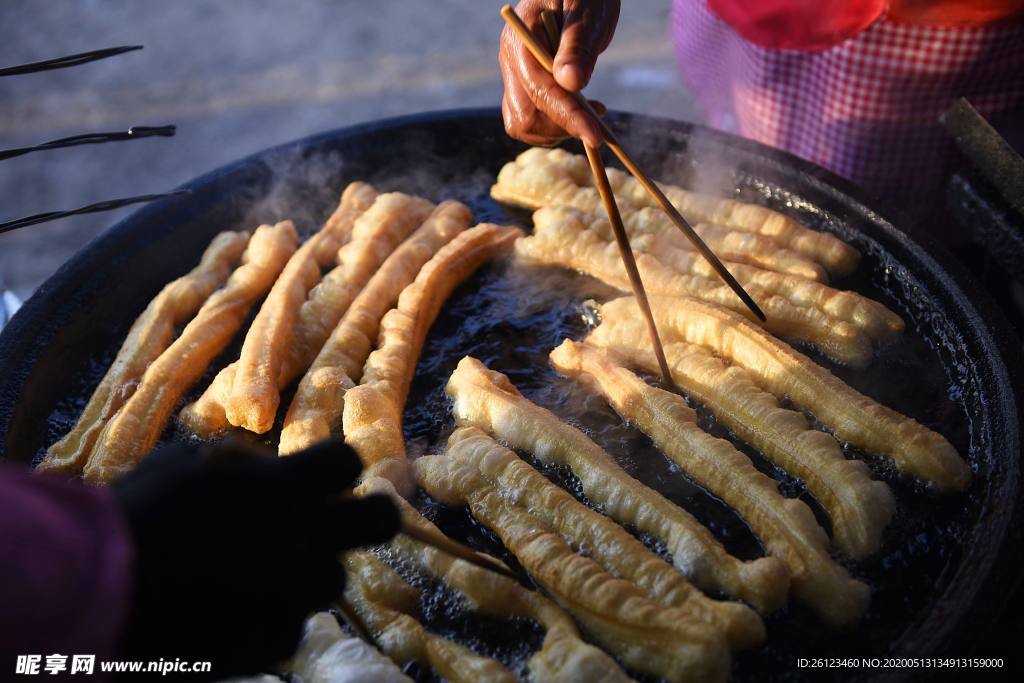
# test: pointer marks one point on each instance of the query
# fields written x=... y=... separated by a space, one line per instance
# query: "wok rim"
x=984 y=325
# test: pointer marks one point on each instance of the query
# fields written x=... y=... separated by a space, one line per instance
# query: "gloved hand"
x=536 y=106
x=234 y=547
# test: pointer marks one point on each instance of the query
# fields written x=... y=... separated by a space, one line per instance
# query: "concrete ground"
x=237 y=77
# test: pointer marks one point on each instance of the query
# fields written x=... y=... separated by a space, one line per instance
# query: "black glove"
x=234 y=547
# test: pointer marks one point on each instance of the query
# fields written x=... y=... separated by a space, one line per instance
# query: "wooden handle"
x=552 y=29
x=456 y=549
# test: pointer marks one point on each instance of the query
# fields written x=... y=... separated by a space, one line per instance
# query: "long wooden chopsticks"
x=615 y=219
x=456 y=549
x=435 y=540
x=545 y=59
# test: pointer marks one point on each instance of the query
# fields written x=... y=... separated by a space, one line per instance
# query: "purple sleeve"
x=65 y=567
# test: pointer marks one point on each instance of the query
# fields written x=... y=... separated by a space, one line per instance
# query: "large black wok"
x=947 y=564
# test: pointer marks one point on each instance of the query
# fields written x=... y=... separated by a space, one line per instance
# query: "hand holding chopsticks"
x=545 y=60
x=615 y=219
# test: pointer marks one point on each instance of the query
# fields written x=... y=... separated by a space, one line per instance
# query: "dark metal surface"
x=948 y=563
x=133 y=133
x=65 y=62
x=987 y=151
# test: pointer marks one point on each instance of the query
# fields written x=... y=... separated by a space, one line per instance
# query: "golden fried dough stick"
x=605 y=542
x=134 y=428
x=486 y=399
x=675 y=643
x=733 y=246
x=737 y=246
x=858 y=506
x=330 y=298
x=150 y=334
x=339 y=364
x=869 y=316
x=564 y=656
x=568 y=244
x=781 y=370
x=386 y=603
x=546 y=177
x=786 y=526
x=778 y=369
x=372 y=411
x=253 y=398
x=375 y=232
x=206 y=416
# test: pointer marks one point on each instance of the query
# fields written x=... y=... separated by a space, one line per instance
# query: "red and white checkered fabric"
x=866 y=108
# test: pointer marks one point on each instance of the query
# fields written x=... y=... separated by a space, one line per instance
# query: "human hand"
x=234 y=547
x=537 y=107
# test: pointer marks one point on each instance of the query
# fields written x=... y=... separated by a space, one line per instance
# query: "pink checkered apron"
x=866 y=108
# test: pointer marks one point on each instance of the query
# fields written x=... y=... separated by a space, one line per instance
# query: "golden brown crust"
x=316 y=408
x=375 y=232
x=648 y=235
x=133 y=430
x=679 y=641
x=386 y=604
x=781 y=370
x=150 y=334
x=737 y=246
x=787 y=527
x=569 y=243
x=486 y=399
x=206 y=416
x=858 y=506
x=548 y=177
x=253 y=398
x=372 y=411
x=252 y=402
x=564 y=656
x=329 y=299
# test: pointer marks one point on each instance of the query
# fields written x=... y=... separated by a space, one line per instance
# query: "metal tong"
x=133 y=133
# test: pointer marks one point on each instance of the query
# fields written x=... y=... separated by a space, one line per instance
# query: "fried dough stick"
x=372 y=411
x=786 y=526
x=375 y=232
x=604 y=541
x=732 y=246
x=546 y=177
x=253 y=399
x=675 y=643
x=134 y=428
x=316 y=408
x=150 y=334
x=858 y=506
x=206 y=416
x=781 y=370
x=564 y=656
x=570 y=245
x=386 y=603
x=736 y=246
x=868 y=316
x=487 y=400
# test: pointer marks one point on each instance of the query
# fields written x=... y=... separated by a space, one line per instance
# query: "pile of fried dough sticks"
x=346 y=314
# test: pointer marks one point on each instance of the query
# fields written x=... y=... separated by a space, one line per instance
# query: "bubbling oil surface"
x=510 y=316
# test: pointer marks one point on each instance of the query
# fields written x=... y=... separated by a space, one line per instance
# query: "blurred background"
x=237 y=77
